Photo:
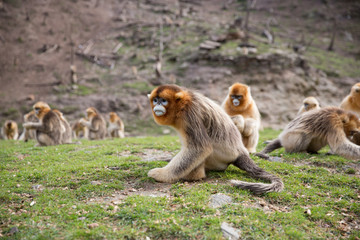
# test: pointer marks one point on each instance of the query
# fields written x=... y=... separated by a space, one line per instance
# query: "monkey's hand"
x=249 y=127
x=27 y=125
x=160 y=175
x=239 y=122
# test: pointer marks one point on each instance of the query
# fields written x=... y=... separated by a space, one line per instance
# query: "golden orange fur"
x=352 y=101
x=116 y=126
x=240 y=105
x=309 y=103
x=10 y=130
x=95 y=123
x=209 y=138
x=41 y=108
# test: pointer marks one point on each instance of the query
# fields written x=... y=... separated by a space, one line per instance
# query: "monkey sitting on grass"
x=313 y=130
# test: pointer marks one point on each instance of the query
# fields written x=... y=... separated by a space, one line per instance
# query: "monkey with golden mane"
x=242 y=108
x=49 y=128
x=313 y=130
x=79 y=130
x=116 y=126
x=352 y=103
x=95 y=123
x=309 y=103
x=29 y=133
x=210 y=140
x=10 y=130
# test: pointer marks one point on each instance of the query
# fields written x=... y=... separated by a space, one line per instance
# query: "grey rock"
x=219 y=199
x=229 y=232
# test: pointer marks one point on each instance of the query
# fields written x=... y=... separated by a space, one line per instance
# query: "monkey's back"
x=99 y=121
x=218 y=124
x=320 y=122
x=51 y=127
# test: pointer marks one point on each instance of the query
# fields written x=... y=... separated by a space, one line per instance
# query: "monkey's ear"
x=179 y=95
x=149 y=96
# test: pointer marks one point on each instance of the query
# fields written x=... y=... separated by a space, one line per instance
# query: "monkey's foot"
x=251 y=150
x=160 y=175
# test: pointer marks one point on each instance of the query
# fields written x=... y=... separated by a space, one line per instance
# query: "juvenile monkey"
x=66 y=136
x=79 y=130
x=352 y=101
x=29 y=133
x=10 y=130
x=242 y=108
x=49 y=128
x=309 y=103
x=95 y=123
x=313 y=130
x=116 y=126
x=210 y=140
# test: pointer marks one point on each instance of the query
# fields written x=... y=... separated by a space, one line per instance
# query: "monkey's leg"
x=296 y=142
x=44 y=140
x=244 y=162
x=196 y=174
x=122 y=134
x=251 y=132
x=273 y=145
x=343 y=147
x=187 y=160
x=239 y=122
x=250 y=125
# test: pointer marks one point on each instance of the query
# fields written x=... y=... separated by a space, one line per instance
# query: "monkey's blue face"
x=159 y=106
x=236 y=99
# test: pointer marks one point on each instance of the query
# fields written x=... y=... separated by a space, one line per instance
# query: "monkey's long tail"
x=244 y=162
x=273 y=145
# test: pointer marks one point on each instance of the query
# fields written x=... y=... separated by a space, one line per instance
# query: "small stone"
x=93 y=225
x=95 y=183
x=219 y=199
x=32 y=203
x=13 y=230
x=38 y=187
x=81 y=218
x=229 y=232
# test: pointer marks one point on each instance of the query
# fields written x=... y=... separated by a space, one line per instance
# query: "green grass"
x=69 y=199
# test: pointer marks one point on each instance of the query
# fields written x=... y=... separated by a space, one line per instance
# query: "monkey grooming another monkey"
x=210 y=140
x=242 y=108
x=49 y=128
x=10 y=130
x=313 y=130
x=116 y=126
x=29 y=133
x=309 y=103
x=95 y=123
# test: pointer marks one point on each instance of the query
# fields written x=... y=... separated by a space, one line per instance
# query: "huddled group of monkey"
x=49 y=126
x=214 y=136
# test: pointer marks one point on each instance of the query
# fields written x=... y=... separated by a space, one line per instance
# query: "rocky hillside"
x=123 y=49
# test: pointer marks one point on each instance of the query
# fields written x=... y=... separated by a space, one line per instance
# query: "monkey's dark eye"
x=155 y=101
x=164 y=102
x=236 y=96
x=357 y=90
x=37 y=109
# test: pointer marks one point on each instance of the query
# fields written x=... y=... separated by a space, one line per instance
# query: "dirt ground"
x=39 y=41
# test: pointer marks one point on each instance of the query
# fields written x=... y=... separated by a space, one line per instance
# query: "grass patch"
x=65 y=191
